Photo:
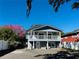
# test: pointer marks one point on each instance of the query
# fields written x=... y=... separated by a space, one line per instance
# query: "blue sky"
x=14 y=12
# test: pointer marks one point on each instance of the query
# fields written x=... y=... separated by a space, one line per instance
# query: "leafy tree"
x=54 y=3
x=8 y=35
x=62 y=33
x=20 y=32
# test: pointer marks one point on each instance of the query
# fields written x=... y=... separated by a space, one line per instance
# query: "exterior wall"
x=3 y=45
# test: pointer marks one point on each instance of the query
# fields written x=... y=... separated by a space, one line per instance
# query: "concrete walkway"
x=29 y=54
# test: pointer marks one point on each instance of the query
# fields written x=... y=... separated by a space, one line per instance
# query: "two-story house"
x=43 y=36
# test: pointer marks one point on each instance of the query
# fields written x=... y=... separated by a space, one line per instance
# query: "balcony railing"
x=45 y=36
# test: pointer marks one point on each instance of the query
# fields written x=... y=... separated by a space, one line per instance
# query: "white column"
x=47 y=34
x=33 y=44
x=76 y=46
x=29 y=45
x=31 y=34
x=60 y=45
x=72 y=47
x=47 y=45
x=59 y=33
x=33 y=39
x=38 y=35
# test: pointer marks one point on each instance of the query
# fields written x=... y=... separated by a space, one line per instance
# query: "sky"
x=13 y=12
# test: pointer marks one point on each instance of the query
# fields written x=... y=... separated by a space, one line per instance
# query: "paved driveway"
x=30 y=54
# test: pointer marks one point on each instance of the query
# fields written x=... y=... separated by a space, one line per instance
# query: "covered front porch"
x=43 y=44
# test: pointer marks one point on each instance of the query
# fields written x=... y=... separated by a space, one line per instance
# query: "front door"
x=37 y=44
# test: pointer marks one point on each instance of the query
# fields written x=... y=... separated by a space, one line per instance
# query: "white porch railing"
x=43 y=37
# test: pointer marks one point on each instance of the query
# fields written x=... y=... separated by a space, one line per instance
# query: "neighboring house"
x=71 y=40
x=43 y=36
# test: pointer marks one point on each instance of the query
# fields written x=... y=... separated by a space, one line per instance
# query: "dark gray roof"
x=34 y=27
x=70 y=34
x=77 y=30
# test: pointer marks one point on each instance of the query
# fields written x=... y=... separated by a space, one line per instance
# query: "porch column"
x=31 y=33
x=29 y=45
x=47 y=45
x=47 y=35
x=33 y=45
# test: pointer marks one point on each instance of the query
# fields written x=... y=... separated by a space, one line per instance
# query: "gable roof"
x=38 y=27
x=70 y=34
x=77 y=30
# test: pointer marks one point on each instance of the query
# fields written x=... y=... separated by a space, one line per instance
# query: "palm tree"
x=29 y=4
x=75 y=5
x=54 y=3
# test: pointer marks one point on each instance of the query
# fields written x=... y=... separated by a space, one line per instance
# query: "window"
x=36 y=34
x=49 y=35
x=55 y=33
x=40 y=35
x=52 y=35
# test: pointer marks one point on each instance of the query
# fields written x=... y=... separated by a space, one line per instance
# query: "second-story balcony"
x=43 y=37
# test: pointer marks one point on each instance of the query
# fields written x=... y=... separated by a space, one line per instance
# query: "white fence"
x=3 y=45
x=71 y=45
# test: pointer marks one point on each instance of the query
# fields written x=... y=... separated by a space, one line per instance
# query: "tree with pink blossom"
x=20 y=33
